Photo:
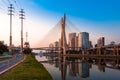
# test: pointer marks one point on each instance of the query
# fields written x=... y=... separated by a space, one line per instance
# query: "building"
x=101 y=42
x=83 y=40
x=111 y=45
x=51 y=49
x=51 y=45
x=90 y=44
x=27 y=45
x=71 y=41
x=76 y=43
x=56 y=45
x=112 y=42
x=59 y=42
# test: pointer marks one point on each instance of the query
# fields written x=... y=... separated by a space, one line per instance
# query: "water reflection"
x=63 y=67
x=67 y=68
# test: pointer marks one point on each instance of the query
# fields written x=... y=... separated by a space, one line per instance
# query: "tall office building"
x=83 y=40
x=76 y=43
x=101 y=42
x=71 y=40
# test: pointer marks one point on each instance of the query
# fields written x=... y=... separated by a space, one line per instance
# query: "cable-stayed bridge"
x=55 y=33
x=59 y=33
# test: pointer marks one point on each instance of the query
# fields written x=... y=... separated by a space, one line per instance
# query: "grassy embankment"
x=29 y=69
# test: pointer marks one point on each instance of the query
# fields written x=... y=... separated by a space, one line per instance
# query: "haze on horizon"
x=98 y=17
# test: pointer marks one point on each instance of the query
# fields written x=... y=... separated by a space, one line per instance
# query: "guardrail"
x=7 y=64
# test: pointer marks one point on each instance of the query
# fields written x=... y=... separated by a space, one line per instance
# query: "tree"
x=3 y=47
x=27 y=51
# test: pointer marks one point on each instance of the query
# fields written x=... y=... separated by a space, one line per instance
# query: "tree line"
x=3 y=47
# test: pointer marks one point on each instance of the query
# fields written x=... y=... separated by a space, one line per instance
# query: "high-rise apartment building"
x=83 y=40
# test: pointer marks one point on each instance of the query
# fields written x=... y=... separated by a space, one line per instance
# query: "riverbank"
x=29 y=69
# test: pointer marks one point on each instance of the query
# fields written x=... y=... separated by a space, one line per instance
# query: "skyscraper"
x=83 y=40
x=71 y=40
x=101 y=42
x=76 y=43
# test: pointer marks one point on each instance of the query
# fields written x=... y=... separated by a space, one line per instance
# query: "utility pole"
x=22 y=15
x=10 y=12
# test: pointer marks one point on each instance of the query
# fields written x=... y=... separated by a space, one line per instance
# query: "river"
x=68 y=68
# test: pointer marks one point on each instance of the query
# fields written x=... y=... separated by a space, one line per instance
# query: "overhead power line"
x=2 y=10
x=16 y=4
x=3 y=5
x=3 y=1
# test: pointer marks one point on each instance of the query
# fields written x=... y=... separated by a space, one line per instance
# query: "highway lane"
x=8 y=63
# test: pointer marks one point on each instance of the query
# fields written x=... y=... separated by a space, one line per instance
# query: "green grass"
x=29 y=69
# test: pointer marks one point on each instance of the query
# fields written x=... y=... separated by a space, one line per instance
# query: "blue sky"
x=98 y=17
x=95 y=10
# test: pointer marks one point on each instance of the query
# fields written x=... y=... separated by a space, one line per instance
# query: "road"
x=8 y=63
